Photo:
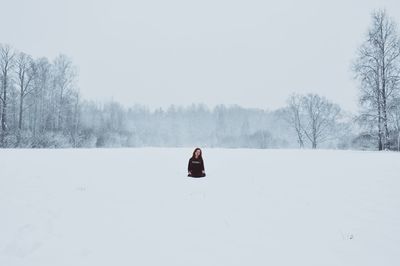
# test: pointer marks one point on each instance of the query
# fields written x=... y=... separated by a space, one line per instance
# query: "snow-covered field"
x=255 y=207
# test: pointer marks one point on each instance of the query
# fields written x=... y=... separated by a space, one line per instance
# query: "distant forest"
x=41 y=107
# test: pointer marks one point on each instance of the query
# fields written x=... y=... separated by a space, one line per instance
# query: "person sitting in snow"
x=196 y=164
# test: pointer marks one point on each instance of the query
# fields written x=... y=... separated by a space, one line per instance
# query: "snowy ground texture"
x=255 y=207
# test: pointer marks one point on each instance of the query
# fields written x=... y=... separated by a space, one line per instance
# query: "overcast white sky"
x=157 y=53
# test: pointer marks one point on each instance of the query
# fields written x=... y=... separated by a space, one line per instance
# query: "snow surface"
x=255 y=207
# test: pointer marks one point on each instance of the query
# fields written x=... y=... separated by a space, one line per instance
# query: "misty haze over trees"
x=40 y=106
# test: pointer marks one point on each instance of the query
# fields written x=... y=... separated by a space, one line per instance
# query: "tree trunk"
x=384 y=99
x=3 y=112
x=21 y=102
x=398 y=141
x=379 y=130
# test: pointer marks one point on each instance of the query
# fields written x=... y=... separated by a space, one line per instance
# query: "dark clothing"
x=195 y=167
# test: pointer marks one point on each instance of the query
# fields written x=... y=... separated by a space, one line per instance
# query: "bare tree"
x=64 y=81
x=7 y=55
x=41 y=108
x=370 y=99
x=378 y=68
x=320 y=118
x=313 y=118
x=293 y=115
x=64 y=101
x=25 y=69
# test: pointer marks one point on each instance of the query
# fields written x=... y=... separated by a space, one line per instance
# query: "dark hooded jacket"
x=196 y=166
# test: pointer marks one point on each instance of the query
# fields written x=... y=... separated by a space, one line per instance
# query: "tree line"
x=38 y=98
x=40 y=106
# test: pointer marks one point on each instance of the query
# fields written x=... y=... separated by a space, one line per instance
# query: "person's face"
x=197 y=153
